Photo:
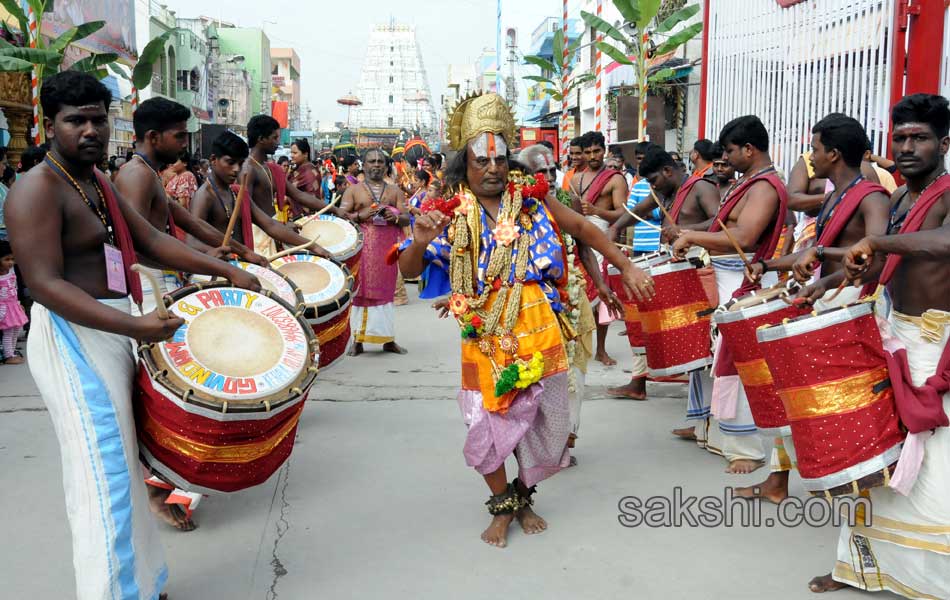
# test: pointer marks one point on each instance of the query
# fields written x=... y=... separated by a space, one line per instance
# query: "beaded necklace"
x=217 y=194
x=103 y=217
x=894 y=222
x=743 y=179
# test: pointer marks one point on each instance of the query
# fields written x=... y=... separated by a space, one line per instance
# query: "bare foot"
x=825 y=583
x=603 y=357
x=497 y=532
x=171 y=514
x=531 y=523
x=571 y=440
x=394 y=348
x=774 y=488
x=163 y=596
x=14 y=360
x=572 y=462
x=743 y=466
x=356 y=349
x=635 y=390
x=686 y=433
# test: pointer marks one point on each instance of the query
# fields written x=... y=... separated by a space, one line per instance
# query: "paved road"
x=376 y=502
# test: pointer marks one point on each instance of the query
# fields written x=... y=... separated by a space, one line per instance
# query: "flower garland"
x=520 y=201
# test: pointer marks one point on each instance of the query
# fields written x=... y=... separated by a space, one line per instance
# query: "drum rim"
x=855 y=473
x=293 y=286
x=338 y=302
x=750 y=312
x=681 y=368
x=671 y=267
x=160 y=371
x=351 y=252
x=814 y=321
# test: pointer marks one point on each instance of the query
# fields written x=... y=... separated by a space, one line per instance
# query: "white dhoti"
x=741 y=439
x=85 y=378
x=373 y=324
x=263 y=243
x=907 y=547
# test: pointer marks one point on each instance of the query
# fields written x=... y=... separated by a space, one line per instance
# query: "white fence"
x=793 y=66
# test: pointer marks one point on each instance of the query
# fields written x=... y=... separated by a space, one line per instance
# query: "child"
x=12 y=317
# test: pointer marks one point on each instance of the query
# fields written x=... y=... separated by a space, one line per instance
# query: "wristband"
x=820 y=253
x=765 y=266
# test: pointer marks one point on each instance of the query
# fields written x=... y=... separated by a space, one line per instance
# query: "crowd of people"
x=534 y=260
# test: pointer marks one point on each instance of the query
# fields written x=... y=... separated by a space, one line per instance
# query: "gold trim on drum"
x=334 y=332
x=349 y=243
x=835 y=397
x=754 y=373
x=675 y=317
x=201 y=452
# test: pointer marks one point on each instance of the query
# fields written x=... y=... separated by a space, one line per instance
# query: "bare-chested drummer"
x=161 y=136
x=903 y=546
x=379 y=209
x=603 y=195
x=754 y=214
x=76 y=261
x=855 y=209
x=267 y=185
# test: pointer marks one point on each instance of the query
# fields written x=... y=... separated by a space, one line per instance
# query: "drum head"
x=236 y=345
x=325 y=285
x=340 y=237
x=758 y=297
x=277 y=284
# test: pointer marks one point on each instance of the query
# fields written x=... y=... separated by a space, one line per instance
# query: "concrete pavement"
x=376 y=501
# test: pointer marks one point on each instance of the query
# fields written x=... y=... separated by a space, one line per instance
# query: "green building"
x=251 y=43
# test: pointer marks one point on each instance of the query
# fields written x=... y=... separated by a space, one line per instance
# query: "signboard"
x=118 y=34
x=277 y=80
x=120 y=124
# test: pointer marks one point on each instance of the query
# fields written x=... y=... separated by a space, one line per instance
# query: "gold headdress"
x=480 y=113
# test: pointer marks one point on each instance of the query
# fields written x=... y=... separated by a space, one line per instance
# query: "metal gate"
x=792 y=66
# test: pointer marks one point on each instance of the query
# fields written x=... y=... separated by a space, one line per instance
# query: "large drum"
x=217 y=405
x=327 y=293
x=631 y=314
x=676 y=321
x=277 y=283
x=831 y=375
x=737 y=325
x=341 y=238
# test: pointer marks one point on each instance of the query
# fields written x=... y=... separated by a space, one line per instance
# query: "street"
x=376 y=501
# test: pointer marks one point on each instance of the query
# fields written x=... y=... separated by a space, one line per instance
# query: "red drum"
x=217 y=405
x=737 y=326
x=676 y=321
x=831 y=375
x=327 y=293
x=631 y=314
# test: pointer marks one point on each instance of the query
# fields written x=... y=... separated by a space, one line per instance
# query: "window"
x=182 y=80
x=390 y=121
x=390 y=63
x=390 y=79
x=390 y=98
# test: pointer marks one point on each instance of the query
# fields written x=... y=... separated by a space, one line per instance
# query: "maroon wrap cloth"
x=280 y=186
x=246 y=219
x=845 y=210
x=598 y=184
x=680 y=197
x=122 y=238
x=920 y=408
x=767 y=243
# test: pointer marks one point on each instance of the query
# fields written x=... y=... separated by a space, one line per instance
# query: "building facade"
x=249 y=48
x=285 y=79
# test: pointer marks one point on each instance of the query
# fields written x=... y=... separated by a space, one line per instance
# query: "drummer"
x=904 y=549
x=855 y=209
x=214 y=201
x=267 y=184
x=754 y=213
x=76 y=260
x=161 y=135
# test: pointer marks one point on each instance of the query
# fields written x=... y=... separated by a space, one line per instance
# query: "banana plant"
x=141 y=74
x=640 y=15
x=553 y=84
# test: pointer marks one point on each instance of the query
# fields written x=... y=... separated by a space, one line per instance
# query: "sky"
x=330 y=37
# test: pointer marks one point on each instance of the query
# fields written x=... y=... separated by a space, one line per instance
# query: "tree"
x=553 y=84
x=639 y=16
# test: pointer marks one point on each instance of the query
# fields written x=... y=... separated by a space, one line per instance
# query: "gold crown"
x=480 y=113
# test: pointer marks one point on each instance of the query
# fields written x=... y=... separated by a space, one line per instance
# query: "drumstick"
x=235 y=211
x=663 y=210
x=294 y=249
x=623 y=246
x=159 y=303
x=644 y=221
x=320 y=212
x=735 y=244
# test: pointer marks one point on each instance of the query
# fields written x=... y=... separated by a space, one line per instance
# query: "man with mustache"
x=379 y=209
x=578 y=163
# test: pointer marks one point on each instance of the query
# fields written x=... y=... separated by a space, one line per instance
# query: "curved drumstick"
x=294 y=249
x=662 y=208
x=159 y=303
x=642 y=220
x=846 y=282
x=321 y=211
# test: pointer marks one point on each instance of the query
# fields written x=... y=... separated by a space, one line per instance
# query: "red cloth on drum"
x=681 y=195
x=123 y=238
x=707 y=277
x=845 y=210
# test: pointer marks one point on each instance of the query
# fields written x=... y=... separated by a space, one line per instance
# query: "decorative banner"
x=280 y=110
x=117 y=36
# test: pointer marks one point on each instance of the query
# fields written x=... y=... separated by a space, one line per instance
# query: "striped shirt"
x=645 y=238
